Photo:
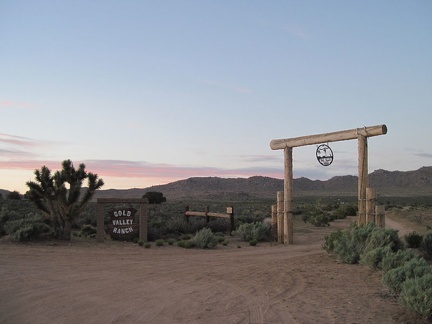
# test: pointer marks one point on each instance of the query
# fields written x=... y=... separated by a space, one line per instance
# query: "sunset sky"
x=149 y=92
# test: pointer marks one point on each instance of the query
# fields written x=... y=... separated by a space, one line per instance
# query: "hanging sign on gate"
x=324 y=155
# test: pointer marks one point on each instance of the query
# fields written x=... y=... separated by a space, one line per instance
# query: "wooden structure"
x=100 y=215
x=361 y=134
x=207 y=214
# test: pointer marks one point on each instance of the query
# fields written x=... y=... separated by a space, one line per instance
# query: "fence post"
x=100 y=223
x=274 y=222
x=143 y=221
x=371 y=198
x=280 y=216
x=230 y=210
x=380 y=216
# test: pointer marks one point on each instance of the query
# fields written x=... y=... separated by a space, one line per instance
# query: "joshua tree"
x=58 y=196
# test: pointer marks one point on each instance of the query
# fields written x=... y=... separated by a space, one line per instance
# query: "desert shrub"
x=254 y=231
x=373 y=258
x=380 y=237
x=218 y=225
x=414 y=268
x=344 y=210
x=413 y=240
x=330 y=240
x=171 y=241
x=205 y=239
x=397 y=259
x=88 y=230
x=160 y=242
x=140 y=242
x=147 y=245
x=155 y=233
x=416 y=294
x=220 y=239
x=187 y=244
x=177 y=225
x=317 y=216
x=29 y=228
x=351 y=242
x=253 y=242
x=9 y=215
x=427 y=244
x=88 y=216
x=186 y=237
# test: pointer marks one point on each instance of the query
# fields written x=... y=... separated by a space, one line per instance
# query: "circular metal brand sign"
x=324 y=154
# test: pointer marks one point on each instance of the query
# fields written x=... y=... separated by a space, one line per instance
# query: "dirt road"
x=114 y=282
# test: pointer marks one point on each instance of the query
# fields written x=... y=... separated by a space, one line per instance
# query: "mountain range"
x=386 y=183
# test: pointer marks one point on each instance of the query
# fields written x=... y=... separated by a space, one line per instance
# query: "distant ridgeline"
x=387 y=183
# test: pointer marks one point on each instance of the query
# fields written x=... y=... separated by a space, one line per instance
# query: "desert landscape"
x=118 y=282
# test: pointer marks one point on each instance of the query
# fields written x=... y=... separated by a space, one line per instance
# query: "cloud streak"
x=15 y=104
x=133 y=169
x=18 y=140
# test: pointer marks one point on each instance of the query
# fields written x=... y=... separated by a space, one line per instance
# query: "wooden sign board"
x=123 y=224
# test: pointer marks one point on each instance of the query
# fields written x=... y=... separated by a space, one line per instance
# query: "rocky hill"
x=387 y=183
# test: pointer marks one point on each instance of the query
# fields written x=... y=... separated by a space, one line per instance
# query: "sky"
x=149 y=92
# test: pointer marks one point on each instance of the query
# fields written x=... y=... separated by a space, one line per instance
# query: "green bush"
x=427 y=243
x=186 y=237
x=28 y=228
x=254 y=231
x=187 y=244
x=171 y=241
x=414 y=268
x=147 y=245
x=317 y=216
x=253 y=242
x=88 y=230
x=220 y=237
x=205 y=239
x=344 y=210
x=416 y=294
x=413 y=240
x=160 y=242
x=330 y=240
x=380 y=237
x=373 y=258
x=141 y=242
x=397 y=259
x=351 y=243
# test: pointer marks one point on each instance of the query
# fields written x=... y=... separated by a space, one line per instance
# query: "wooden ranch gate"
x=361 y=134
x=207 y=214
x=100 y=214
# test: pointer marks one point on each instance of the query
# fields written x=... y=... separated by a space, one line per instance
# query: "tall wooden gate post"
x=371 y=198
x=362 y=178
x=287 y=144
x=280 y=216
x=288 y=196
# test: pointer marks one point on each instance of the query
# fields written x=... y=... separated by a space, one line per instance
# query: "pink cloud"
x=14 y=104
x=132 y=169
x=261 y=158
x=17 y=140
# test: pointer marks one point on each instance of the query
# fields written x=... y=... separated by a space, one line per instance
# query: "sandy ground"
x=115 y=282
